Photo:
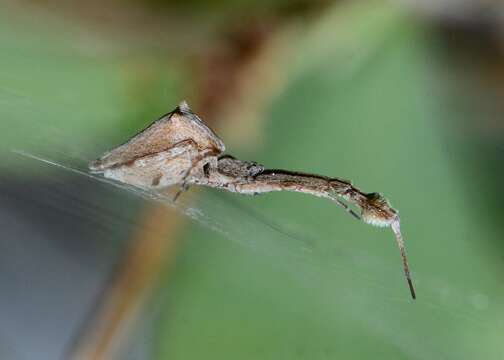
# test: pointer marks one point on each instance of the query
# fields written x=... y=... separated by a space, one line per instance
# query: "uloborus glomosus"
x=180 y=149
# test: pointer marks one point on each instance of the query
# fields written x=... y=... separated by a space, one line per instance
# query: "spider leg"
x=183 y=188
x=194 y=165
x=348 y=209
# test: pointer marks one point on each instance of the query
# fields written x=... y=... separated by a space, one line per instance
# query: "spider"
x=180 y=149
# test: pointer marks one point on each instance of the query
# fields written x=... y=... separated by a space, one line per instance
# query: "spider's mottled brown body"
x=180 y=149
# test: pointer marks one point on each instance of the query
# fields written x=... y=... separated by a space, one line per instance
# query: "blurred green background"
x=401 y=100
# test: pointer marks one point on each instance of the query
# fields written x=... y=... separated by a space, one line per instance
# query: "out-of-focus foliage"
x=64 y=91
